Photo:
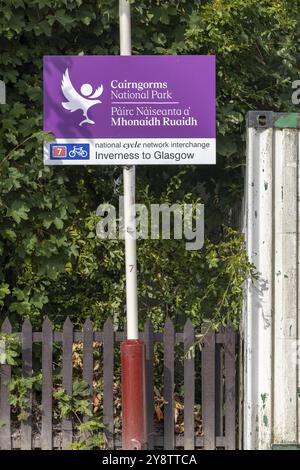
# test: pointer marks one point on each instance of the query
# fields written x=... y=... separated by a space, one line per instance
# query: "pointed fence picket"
x=47 y=348
x=108 y=385
x=209 y=390
x=88 y=359
x=26 y=425
x=67 y=382
x=215 y=365
x=189 y=386
x=169 y=386
x=149 y=349
x=5 y=375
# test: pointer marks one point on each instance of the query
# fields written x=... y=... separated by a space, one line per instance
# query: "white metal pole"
x=125 y=27
x=2 y=92
x=129 y=199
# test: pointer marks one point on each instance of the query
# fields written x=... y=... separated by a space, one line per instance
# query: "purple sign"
x=128 y=97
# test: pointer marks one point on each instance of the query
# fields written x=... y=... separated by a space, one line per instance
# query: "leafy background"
x=51 y=263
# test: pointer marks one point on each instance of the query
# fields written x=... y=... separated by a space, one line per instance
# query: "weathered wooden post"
x=271 y=317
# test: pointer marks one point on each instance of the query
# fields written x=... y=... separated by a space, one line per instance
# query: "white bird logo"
x=77 y=101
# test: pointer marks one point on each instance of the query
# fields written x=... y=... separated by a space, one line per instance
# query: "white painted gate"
x=271 y=328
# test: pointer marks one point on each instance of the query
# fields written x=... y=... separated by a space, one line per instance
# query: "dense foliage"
x=51 y=262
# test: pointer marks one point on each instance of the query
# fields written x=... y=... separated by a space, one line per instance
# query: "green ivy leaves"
x=48 y=250
x=18 y=211
x=9 y=349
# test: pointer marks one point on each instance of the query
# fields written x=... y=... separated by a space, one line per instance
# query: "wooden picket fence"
x=215 y=364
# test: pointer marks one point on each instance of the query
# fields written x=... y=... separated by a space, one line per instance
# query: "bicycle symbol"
x=79 y=151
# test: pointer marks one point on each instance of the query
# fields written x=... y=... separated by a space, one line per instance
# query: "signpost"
x=130 y=110
x=134 y=427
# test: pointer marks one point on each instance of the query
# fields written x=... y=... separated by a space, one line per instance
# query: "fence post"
x=189 y=386
x=5 y=432
x=47 y=338
x=169 y=385
x=219 y=389
x=88 y=360
x=148 y=340
x=108 y=382
x=208 y=390
x=26 y=426
x=259 y=314
x=67 y=379
x=230 y=388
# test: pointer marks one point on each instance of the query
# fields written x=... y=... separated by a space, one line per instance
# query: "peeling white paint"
x=271 y=316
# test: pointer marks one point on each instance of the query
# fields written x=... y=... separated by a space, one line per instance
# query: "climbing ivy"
x=50 y=260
